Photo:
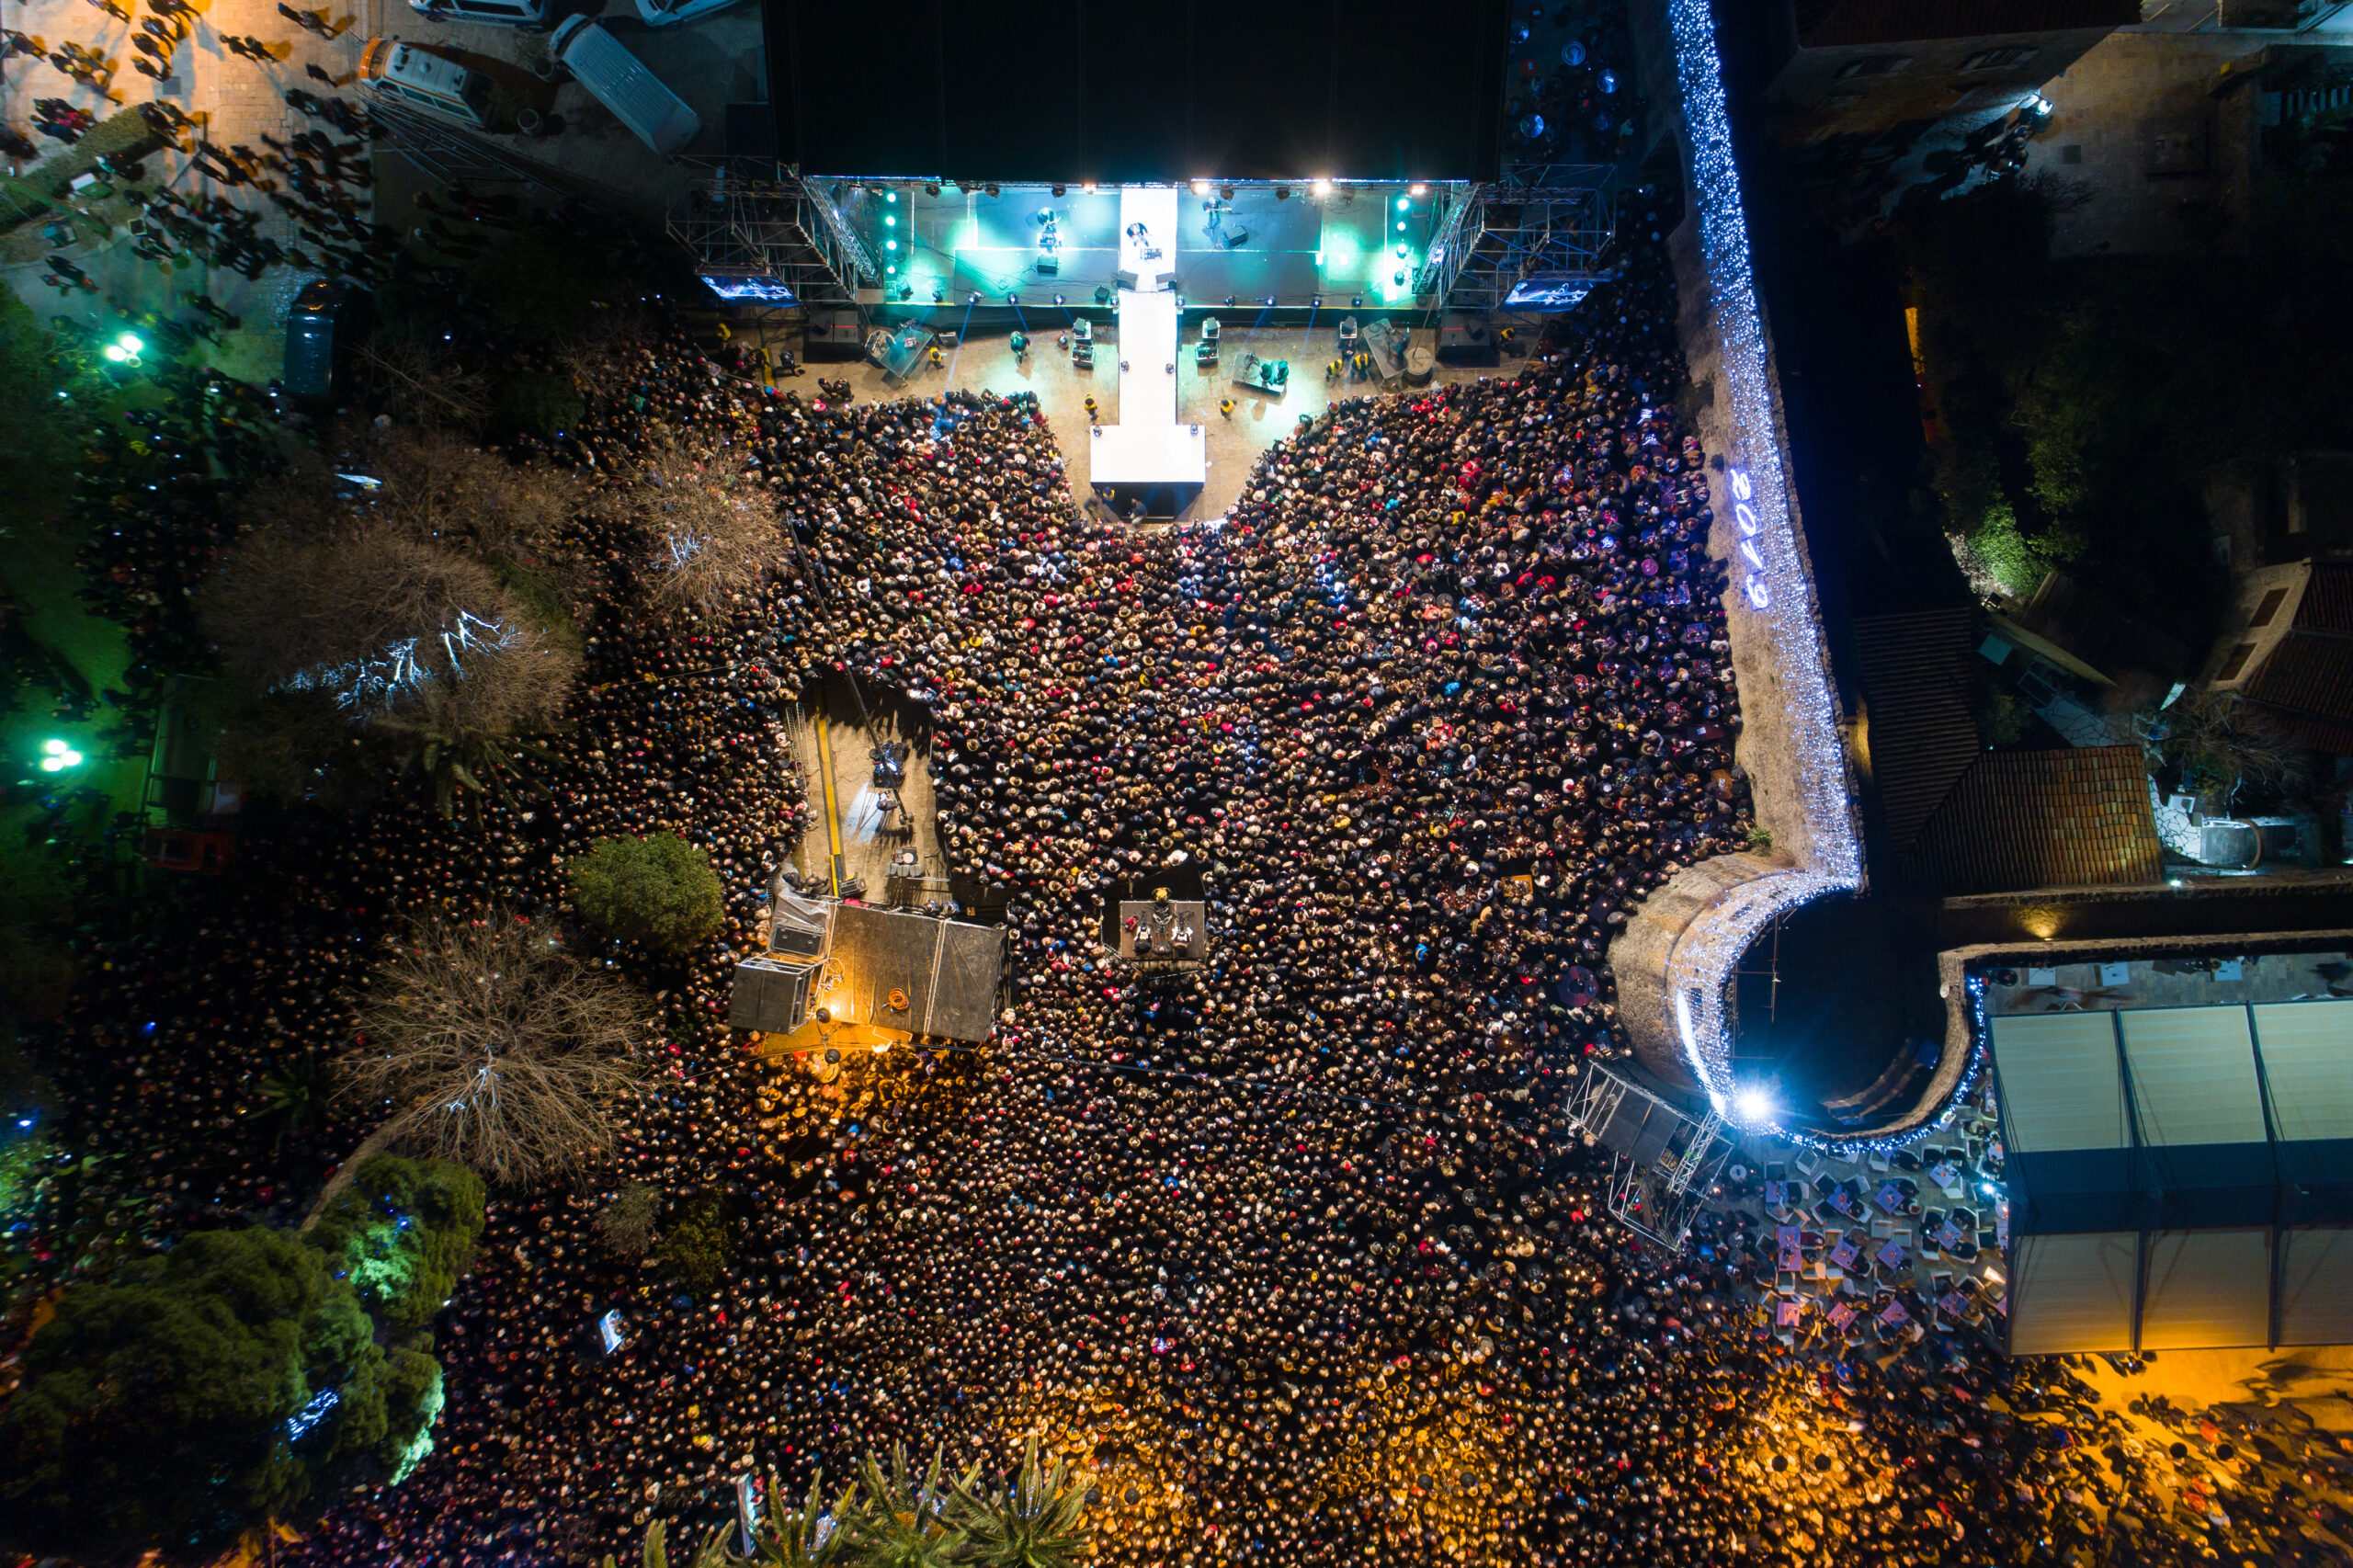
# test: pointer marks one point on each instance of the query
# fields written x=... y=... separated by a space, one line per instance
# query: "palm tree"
x=906 y=1526
x=1039 y=1522
x=296 y=1094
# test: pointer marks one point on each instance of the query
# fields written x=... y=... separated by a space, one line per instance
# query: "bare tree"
x=2223 y=742
x=421 y=379
x=497 y=1048
x=387 y=623
x=437 y=485
x=712 y=521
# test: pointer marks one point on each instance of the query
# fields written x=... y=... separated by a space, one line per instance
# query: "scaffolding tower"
x=753 y=216
x=1552 y=222
x=454 y=155
x=1665 y=1161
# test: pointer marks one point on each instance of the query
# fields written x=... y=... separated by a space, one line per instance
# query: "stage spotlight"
x=1225 y=193
x=1401 y=252
x=937 y=295
x=1270 y=298
x=1419 y=189
x=893 y=268
x=976 y=299
x=890 y=196
x=1356 y=301
x=1102 y=295
x=1059 y=192
x=1229 y=301
x=1398 y=279
x=931 y=187
x=1316 y=303
x=1405 y=204
x=1058 y=298
x=1753 y=1106
x=1087 y=187
x=1013 y=299
x=1282 y=193
x=1200 y=187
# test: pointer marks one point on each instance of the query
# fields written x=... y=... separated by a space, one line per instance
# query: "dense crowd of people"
x=1291 y=1252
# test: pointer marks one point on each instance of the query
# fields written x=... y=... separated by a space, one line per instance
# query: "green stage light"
x=1405 y=204
x=889 y=244
x=131 y=343
x=116 y=352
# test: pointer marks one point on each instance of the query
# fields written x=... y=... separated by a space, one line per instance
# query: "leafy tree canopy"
x=659 y=889
x=187 y=1397
x=401 y=1233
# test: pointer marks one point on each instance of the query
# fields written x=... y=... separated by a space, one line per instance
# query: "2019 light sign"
x=1744 y=516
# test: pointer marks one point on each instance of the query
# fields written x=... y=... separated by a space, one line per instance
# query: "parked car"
x=327 y=316
x=669 y=13
x=410 y=73
x=528 y=15
x=619 y=81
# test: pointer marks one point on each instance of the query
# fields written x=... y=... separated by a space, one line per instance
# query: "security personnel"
x=1225 y=406
x=1090 y=408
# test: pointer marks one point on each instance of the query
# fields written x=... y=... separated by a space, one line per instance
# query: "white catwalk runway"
x=1148 y=456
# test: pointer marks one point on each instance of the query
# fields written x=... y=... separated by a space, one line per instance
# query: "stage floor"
x=985 y=363
x=1339 y=246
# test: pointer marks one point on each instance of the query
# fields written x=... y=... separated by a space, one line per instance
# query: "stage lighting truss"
x=1540 y=219
x=1665 y=1161
x=750 y=217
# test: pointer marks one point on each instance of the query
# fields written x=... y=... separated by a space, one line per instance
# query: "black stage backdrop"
x=1121 y=91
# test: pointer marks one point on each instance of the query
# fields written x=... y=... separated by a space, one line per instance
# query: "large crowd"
x=1292 y=1253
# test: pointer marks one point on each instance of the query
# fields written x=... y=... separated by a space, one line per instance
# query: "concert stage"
x=1250 y=246
x=1149 y=463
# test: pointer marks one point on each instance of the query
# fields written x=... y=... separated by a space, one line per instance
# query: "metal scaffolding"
x=758 y=216
x=454 y=155
x=1664 y=1161
x=1552 y=221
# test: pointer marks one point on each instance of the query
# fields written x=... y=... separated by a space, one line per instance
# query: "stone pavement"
x=237 y=100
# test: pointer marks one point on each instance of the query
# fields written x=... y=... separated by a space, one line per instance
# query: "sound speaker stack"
x=1466 y=339
x=832 y=334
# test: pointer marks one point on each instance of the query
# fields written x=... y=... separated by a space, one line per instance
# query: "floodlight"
x=131 y=343
x=890 y=196
x=1316 y=303
x=1323 y=188
x=1058 y=298
x=1753 y=1105
x=1200 y=187
x=1419 y=189
x=1405 y=204
x=115 y=352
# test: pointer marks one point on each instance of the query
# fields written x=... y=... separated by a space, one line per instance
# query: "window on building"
x=1999 y=59
x=1873 y=65
x=2236 y=663
x=2269 y=606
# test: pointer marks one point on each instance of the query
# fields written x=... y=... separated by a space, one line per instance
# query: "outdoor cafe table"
x=1842 y=1314
x=1890 y=1197
x=1894 y=1315
x=1944 y=1173
x=1785 y=1237
x=1953 y=1304
x=1891 y=1256
x=1776 y=1193
x=1843 y=1202
x=1845 y=1253
x=1949 y=1236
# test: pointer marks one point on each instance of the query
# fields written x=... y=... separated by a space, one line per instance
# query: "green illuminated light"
x=1404 y=205
x=131 y=343
x=57 y=756
x=116 y=352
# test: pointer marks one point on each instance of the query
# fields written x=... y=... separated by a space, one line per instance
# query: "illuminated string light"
x=375 y=683
x=1774 y=586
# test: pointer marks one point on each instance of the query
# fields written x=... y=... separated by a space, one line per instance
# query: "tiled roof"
x=1829 y=24
x=2033 y=819
x=1915 y=671
x=2327 y=604
x=2308 y=677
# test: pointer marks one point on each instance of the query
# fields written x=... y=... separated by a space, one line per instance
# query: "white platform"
x=1149 y=455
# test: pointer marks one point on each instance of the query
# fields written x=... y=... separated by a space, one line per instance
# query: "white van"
x=619 y=81
x=528 y=15
x=417 y=76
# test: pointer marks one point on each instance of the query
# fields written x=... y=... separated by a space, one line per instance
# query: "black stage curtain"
x=1060 y=90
